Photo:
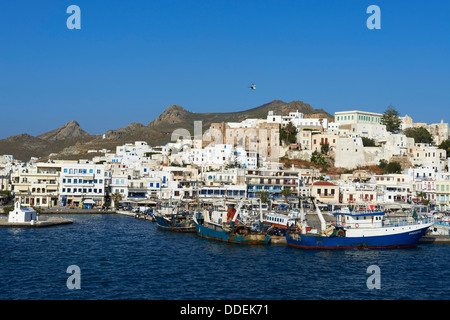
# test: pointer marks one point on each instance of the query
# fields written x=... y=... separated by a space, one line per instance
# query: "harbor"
x=121 y=256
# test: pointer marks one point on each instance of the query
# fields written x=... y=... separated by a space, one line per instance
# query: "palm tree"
x=263 y=195
x=116 y=197
x=286 y=192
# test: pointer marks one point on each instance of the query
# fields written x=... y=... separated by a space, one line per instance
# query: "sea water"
x=120 y=257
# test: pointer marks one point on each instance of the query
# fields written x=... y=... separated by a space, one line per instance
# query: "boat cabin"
x=359 y=220
x=279 y=219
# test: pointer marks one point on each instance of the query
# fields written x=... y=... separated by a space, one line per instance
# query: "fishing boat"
x=281 y=220
x=221 y=224
x=360 y=229
x=179 y=222
x=171 y=218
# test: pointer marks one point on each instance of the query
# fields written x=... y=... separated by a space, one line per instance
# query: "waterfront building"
x=37 y=185
x=82 y=184
x=393 y=188
x=357 y=193
x=272 y=182
x=424 y=189
x=443 y=194
x=325 y=192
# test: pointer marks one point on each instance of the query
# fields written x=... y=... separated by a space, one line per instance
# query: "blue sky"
x=132 y=59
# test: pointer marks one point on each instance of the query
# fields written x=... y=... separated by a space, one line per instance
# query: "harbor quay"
x=45 y=222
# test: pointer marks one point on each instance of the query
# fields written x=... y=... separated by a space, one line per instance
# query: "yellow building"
x=443 y=195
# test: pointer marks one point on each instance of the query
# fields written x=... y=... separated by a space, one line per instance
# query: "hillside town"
x=357 y=159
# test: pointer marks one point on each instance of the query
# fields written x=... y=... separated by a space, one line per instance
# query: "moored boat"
x=179 y=222
x=171 y=218
x=221 y=224
x=360 y=229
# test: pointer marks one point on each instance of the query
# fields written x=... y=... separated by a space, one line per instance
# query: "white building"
x=37 y=185
x=21 y=215
x=82 y=184
x=297 y=119
x=349 y=153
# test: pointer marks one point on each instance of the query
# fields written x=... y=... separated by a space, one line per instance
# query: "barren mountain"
x=68 y=131
x=71 y=139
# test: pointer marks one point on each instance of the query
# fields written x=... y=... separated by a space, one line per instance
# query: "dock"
x=48 y=222
x=434 y=240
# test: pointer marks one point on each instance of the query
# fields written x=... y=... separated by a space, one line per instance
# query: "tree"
x=446 y=146
x=116 y=197
x=383 y=164
x=324 y=148
x=423 y=198
x=288 y=133
x=391 y=119
x=390 y=167
x=286 y=192
x=420 y=135
x=318 y=158
x=393 y=167
x=367 y=142
x=263 y=195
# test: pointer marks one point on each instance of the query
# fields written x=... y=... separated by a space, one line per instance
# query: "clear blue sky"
x=131 y=59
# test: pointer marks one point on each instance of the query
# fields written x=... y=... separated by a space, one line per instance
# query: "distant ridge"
x=72 y=142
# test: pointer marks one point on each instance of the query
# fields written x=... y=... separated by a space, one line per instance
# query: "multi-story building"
x=353 y=117
x=37 y=185
x=424 y=154
x=443 y=194
x=325 y=191
x=272 y=182
x=82 y=184
x=393 y=188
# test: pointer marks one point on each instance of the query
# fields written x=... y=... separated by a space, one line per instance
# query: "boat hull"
x=397 y=240
x=221 y=235
x=185 y=226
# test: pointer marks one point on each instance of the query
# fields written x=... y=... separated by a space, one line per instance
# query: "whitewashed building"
x=82 y=184
x=21 y=215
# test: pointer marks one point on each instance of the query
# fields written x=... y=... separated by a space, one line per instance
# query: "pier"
x=48 y=222
x=434 y=240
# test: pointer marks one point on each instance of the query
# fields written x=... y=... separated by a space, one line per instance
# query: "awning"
x=89 y=201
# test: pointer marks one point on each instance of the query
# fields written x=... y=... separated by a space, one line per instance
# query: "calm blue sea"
x=125 y=258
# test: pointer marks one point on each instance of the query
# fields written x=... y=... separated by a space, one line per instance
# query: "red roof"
x=324 y=183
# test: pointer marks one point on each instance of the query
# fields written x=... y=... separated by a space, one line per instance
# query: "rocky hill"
x=68 y=131
x=70 y=141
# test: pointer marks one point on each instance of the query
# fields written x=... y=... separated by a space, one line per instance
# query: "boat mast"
x=238 y=210
x=323 y=224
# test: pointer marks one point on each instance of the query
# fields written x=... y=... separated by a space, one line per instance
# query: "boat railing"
x=442 y=223
x=398 y=222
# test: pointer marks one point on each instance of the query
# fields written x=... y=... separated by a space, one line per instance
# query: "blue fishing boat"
x=360 y=229
x=221 y=224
